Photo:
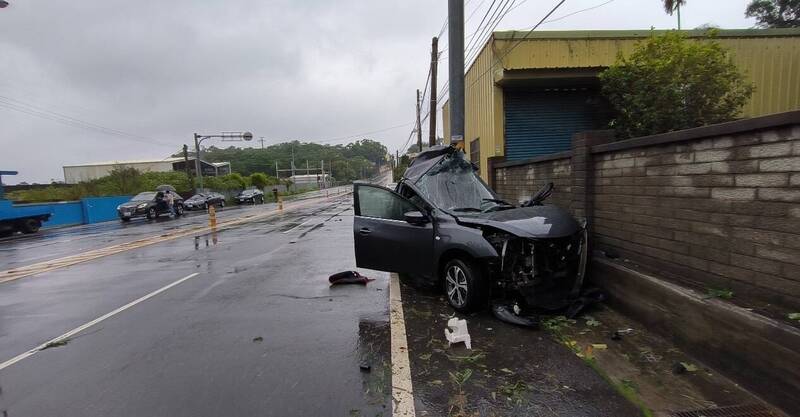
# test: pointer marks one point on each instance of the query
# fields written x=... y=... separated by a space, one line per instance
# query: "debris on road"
x=683 y=367
x=348 y=277
x=258 y=339
x=456 y=332
x=508 y=314
x=56 y=343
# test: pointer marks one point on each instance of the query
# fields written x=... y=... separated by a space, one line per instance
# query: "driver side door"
x=383 y=239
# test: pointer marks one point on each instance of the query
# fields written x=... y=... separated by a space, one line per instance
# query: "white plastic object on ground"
x=456 y=332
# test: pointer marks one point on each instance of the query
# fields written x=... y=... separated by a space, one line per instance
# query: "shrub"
x=670 y=83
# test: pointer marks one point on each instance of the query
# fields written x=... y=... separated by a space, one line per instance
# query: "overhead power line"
x=478 y=39
x=514 y=46
x=32 y=110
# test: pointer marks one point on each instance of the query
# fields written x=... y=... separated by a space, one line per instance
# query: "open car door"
x=384 y=240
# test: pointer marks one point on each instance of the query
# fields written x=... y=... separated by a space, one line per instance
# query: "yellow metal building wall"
x=771 y=63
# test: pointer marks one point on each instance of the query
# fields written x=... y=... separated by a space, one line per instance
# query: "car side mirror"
x=415 y=217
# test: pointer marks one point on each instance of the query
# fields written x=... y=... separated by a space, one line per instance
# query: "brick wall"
x=518 y=181
x=717 y=206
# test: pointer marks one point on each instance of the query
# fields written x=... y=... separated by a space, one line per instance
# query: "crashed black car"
x=443 y=223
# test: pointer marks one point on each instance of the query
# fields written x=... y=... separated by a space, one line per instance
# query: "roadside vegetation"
x=130 y=181
x=671 y=82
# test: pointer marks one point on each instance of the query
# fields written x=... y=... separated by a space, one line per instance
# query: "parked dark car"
x=204 y=201
x=251 y=195
x=149 y=204
x=444 y=224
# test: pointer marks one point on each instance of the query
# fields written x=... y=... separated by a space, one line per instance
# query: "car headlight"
x=118 y=207
x=141 y=206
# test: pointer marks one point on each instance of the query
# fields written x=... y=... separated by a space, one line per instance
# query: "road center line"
x=83 y=327
x=402 y=390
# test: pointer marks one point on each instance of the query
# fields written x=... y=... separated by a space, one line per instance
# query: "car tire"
x=205 y=206
x=464 y=285
x=179 y=210
x=6 y=233
x=152 y=213
x=125 y=219
x=29 y=226
x=222 y=203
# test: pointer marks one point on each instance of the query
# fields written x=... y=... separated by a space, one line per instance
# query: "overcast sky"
x=135 y=79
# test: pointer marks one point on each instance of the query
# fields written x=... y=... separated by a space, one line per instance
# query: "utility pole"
x=262 y=142
x=434 y=69
x=277 y=173
x=186 y=166
x=197 y=160
x=455 y=37
x=419 y=125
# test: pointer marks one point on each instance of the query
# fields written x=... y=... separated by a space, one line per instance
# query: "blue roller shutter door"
x=543 y=122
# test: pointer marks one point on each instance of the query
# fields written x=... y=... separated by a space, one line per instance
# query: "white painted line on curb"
x=83 y=327
x=402 y=390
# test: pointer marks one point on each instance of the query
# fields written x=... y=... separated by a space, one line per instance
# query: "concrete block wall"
x=516 y=182
x=716 y=206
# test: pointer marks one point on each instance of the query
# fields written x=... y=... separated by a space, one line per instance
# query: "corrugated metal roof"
x=643 y=33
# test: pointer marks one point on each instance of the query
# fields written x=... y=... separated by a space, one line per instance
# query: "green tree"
x=259 y=180
x=671 y=5
x=775 y=13
x=670 y=83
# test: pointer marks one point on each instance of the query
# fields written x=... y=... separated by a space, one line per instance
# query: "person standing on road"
x=170 y=200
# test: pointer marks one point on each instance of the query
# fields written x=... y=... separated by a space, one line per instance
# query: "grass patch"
x=723 y=293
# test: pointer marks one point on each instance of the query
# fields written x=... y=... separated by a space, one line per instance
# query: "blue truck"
x=14 y=218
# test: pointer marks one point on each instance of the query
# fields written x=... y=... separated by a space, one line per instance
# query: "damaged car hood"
x=527 y=222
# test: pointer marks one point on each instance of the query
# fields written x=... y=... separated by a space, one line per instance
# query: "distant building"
x=74 y=174
x=304 y=181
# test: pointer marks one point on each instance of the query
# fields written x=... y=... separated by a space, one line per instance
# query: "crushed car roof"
x=425 y=161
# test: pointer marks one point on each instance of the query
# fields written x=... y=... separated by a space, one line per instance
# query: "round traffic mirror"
x=247 y=136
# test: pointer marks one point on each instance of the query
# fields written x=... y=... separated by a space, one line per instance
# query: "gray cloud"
x=282 y=69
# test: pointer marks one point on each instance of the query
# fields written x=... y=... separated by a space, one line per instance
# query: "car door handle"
x=364 y=231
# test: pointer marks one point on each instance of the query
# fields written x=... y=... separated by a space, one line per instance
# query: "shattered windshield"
x=453 y=185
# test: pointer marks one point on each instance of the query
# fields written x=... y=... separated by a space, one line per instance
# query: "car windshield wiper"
x=498 y=201
x=467 y=209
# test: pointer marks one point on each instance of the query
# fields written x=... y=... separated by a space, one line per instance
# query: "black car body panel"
x=530 y=222
x=204 y=200
x=537 y=252
x=251 y=195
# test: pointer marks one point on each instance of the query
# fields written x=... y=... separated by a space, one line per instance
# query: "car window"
x=145 y=196
x=382 y=203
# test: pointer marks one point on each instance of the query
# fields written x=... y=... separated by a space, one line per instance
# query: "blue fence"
x=88 y=210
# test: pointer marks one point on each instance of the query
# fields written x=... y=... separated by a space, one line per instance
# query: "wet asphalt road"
x=257 y=332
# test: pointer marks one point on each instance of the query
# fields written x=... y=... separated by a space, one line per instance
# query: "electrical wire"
x=386 y=129
x=579 y=11
x=514 y=46
x=472 y=54
x=32 y=110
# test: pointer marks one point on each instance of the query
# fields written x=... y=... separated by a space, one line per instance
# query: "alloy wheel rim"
x=456 y=285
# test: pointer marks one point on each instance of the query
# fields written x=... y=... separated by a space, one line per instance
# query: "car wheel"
x=205 y=206
x=464 y=285
x=152 y=213
x=125 y=219
x=29 y=226
x=6 y=233
x=222 y=203
x=179 y=210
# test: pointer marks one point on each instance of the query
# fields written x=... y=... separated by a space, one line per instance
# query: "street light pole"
x=198 y=139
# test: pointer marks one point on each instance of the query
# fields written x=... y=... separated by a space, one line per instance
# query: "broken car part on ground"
x=443 y=223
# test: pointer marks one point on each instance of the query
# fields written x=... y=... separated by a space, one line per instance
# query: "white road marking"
x=402 y=390
x=83 y=327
